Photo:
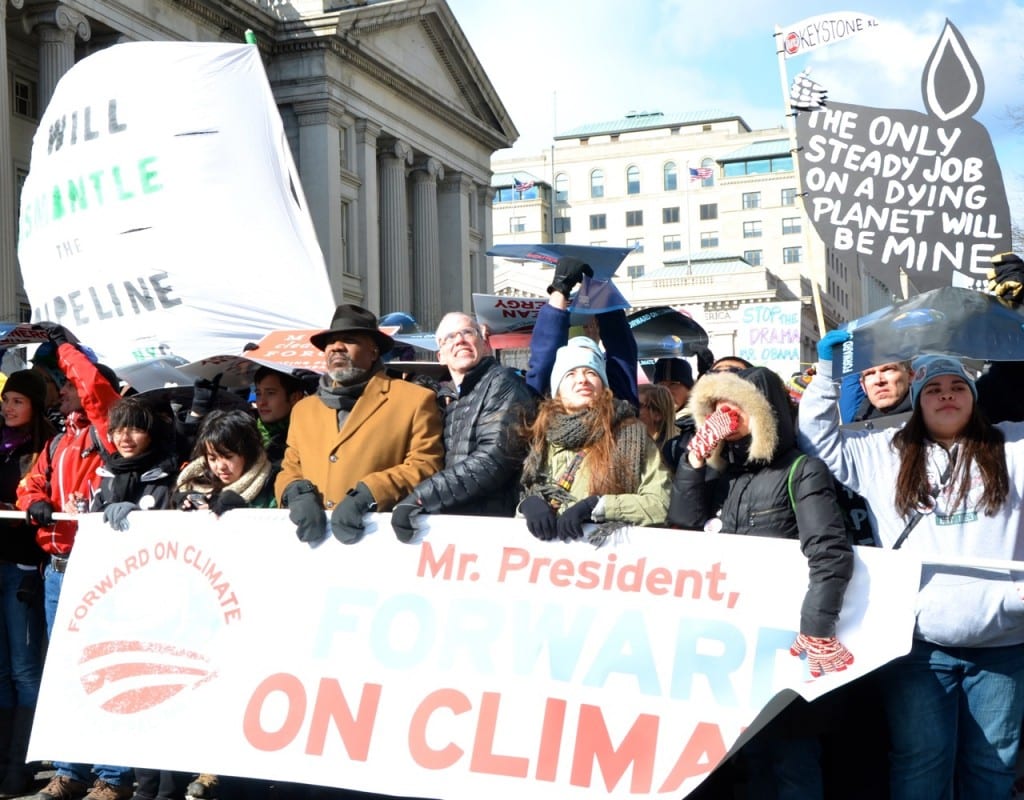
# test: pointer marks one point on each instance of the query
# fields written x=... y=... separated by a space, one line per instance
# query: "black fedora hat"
x=349 y=318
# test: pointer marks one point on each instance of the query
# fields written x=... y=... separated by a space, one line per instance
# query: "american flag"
x=700 y=173
x=521 y=186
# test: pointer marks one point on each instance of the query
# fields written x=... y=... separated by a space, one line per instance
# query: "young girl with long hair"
x=590 y=458
x=945 y=486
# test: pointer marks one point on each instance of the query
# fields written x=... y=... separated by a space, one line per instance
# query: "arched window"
x=710 y=164
x=561 y=188
x=633 y=180
x=671 y=177
x=597 y=183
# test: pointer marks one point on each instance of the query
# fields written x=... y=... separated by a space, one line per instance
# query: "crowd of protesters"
x=577 y=450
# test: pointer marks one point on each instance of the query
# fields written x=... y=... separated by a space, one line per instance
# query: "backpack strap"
x=789 y=480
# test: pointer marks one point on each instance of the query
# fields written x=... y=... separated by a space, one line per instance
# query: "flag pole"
x=780 y=53
x=689 y=245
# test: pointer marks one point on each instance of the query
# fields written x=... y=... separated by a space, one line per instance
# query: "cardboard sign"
x=896 y=189
x=468 y=664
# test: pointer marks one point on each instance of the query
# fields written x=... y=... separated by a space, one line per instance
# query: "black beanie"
x=29 y=383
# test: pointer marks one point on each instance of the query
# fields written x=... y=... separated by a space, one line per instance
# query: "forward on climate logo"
x=126 y=677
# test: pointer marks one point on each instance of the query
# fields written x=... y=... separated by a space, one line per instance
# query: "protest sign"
x=471 y=663
x=766 y=334
x=162 y=213
x=822 y=30
x=896 y=189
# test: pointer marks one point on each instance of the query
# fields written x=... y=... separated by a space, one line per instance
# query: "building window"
x=671 y=177
x=636 y=244
x=635 y=270
x=563 y=224
x=345 y=216
x=633 y=180
x=752 y=257
x=792 y=255
x=634 y=218
x=788 y=197
x=709 y=210
x=752 y=230
x=758 y=166
x=708 y=239
x=709 y=163
x=670 y=215
x=751 y=199
x=671 y=242
x=597 y=222
x=23 y=97
x=516 y=224
x=791 y=225
x=562 y=188
x=597 y=183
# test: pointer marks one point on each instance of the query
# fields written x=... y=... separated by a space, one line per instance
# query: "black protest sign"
x=897 y=189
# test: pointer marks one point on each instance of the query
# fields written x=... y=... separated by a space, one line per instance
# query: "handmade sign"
x=897 y=189
x=162 y=213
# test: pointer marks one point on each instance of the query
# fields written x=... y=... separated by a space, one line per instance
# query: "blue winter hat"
x=581 y=351
x=932 y=366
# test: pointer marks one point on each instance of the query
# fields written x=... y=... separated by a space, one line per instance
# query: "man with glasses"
x=483 y=432
x=363 y=441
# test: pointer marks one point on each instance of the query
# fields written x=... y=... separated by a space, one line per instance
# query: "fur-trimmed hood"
x=762 y=395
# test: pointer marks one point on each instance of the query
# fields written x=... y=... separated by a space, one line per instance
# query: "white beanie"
x=581 y=351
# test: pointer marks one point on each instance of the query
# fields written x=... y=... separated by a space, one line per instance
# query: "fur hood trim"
x=764 y=428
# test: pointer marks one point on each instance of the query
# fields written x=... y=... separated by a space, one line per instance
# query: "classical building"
x=711 y=208
x=390 y=116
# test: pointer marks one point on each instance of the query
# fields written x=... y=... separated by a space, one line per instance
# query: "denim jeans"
x=21 y=641
x=116 y=776
x=954 y=718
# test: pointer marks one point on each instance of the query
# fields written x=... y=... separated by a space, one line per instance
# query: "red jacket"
x=72 y=468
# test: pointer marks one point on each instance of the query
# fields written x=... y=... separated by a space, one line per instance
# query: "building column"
x=366 y=221
x=56 y=26
x=453 y=227
x=319 y=168
x=426 y=253
x=8 y=232
x=396 y=282
x=485 y=269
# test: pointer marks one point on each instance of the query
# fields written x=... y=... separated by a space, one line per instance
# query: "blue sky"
x=568 y=62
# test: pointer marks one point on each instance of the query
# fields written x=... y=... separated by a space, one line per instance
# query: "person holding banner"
x=945 y=486
x=65 y=478
x=23 y=434
x=484 y=448
x=590 y=458
x=363 y=442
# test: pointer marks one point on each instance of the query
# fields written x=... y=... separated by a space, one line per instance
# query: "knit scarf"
x=13 y=438
x=342 y=397
x=126 y=483
x=193 y=478
x=569 y=431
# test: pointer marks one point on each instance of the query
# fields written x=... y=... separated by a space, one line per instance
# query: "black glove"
x=705 y=359
x=30 y=589
x=1006 y=278
x=204 y=393
x=347 y=517
x=225 y=501
x=57 y=334
x=569 y=272
x=570 y=522
x=540 y=517
x=402 y=516
x=116 y=515
x=40 y=513
x=306 y=509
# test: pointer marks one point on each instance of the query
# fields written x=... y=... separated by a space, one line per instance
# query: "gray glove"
x=116 y=515
x=306 y=509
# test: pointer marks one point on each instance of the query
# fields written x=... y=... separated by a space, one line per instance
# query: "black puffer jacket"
x=752 y=493
x=484 y=448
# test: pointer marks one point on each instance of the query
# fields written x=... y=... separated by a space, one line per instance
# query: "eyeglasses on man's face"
x=457 y=336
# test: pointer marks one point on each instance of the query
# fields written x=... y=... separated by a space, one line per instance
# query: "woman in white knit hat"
x=590 y=458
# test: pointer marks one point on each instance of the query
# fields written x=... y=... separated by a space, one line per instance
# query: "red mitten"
x=715 y=428
x=823 y=655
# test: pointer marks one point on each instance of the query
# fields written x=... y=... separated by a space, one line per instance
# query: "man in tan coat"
x=363 y=441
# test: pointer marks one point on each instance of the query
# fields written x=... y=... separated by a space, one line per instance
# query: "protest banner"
x=822 y=30
x=471 y=663
x=162 y=213
x=766 y=334
x=896 y=189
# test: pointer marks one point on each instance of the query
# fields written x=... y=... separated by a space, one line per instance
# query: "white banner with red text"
x=477 y=662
